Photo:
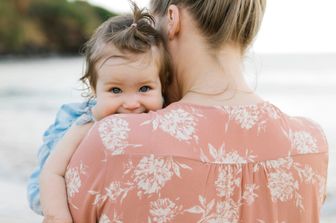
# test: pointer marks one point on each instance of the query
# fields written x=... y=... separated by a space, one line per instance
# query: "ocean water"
x=32 y=90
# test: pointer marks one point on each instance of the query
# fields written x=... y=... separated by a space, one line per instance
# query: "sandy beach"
x=31 y=91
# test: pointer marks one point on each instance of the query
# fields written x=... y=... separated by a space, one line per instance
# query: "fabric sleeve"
x=65 y=117
x=85 y=177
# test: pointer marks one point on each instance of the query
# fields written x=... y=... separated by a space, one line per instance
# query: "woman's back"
x=247 y=163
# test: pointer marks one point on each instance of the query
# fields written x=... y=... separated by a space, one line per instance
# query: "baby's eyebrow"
x=147 y=81
x=114 y=82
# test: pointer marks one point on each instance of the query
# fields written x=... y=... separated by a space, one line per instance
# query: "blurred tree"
x=47 y=26
x=10 y=28
x=22 y=6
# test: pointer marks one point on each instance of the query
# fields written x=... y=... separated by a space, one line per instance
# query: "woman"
x=219 y=154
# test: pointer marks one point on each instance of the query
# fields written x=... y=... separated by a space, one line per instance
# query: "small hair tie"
x=134 y=25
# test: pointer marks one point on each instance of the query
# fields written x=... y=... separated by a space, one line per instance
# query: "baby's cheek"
x=107 y=106
x=157 y=102
x=112 y=106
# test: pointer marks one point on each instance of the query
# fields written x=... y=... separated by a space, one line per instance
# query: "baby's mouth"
x=133 y=112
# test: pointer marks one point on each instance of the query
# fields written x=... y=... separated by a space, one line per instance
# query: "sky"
x=289 y=26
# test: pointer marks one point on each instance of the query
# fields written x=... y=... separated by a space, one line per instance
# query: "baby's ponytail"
x=139 y=33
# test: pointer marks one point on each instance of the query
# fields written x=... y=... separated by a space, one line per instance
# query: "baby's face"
x=128 y=83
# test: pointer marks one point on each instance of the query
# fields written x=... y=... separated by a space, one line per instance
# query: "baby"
x=127 y=69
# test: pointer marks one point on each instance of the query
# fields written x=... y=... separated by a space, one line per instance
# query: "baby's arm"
x=53 y=191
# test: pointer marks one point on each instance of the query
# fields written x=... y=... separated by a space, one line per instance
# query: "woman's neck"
x=214 y=79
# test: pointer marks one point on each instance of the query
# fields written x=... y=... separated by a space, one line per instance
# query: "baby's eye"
x=116 y=90
x=144 y=89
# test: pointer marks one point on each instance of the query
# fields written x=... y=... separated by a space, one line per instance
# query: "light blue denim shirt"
x=68 y=114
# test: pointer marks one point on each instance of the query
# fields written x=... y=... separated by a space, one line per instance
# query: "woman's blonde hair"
x=221 y=21
x=134 y=33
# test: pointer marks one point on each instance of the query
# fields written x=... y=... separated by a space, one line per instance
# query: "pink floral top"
x=189 y=163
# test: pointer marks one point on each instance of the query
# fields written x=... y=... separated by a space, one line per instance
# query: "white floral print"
x=249 y=116
x=303 y=142
x=178 y=123
x=73 y=180
x=245 y=116
x=247 y=119
x=210 y=179
x=282 y=183
x=104 y=219
x=228 y=178
x=114 y=133
x=309 y=176
x=322 y=188
x=163 y=211
x=282 y=186
x=204 y=208
x=226 y=211
x=306 y=173
x=270 y=110
x=281 y=163
x=221 y=156
x=115 y=192
x=249 y=194
x=151 y=174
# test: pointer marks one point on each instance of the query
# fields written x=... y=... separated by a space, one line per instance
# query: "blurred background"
x=292 y=64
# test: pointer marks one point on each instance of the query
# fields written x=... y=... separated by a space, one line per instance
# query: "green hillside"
x=29 y=27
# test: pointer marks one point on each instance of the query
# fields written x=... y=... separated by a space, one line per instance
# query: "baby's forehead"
x=112 y=56
x=122 y=65
x=129 y=74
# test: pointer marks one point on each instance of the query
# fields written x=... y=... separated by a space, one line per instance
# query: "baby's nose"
x=131 y=104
